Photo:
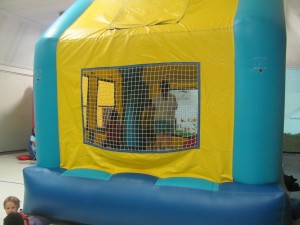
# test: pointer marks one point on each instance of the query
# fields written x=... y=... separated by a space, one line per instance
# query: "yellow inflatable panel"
x=110 y=36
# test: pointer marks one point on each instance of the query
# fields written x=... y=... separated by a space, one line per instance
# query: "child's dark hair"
x=164 y=85
x=149 y=102
x=13 y=219
x=114 y=115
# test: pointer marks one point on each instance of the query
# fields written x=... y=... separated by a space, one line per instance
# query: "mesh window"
x=142 y=108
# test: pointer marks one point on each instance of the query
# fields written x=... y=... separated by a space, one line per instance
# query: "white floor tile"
x=11 y=178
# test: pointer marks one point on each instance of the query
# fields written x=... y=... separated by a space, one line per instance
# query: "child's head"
x=11 y=204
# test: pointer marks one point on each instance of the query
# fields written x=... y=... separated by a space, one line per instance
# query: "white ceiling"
x=40 y=12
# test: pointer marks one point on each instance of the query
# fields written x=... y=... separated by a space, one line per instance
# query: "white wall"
x=17 y=41
x=292 y=8
x=16 y=108
x=292 y=101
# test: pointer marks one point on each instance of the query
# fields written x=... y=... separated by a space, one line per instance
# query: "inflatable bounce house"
x=161 y=113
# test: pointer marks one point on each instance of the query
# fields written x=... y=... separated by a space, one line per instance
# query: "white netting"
x=142 y=107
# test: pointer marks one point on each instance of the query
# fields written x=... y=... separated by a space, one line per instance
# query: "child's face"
x=10 y=207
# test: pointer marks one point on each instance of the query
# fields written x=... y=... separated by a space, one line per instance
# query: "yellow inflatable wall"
x=160 y=32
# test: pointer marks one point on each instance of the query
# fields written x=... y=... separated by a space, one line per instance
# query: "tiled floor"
x=11 y=178
x=291 y=165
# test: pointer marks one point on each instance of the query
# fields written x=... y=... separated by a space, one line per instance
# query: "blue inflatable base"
x=137 y=199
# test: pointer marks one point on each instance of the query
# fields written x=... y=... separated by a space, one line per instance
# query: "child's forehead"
x=10 y=203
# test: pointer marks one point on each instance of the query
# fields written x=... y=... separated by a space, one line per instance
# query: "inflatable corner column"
x=260 y=43
x=45 y=87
